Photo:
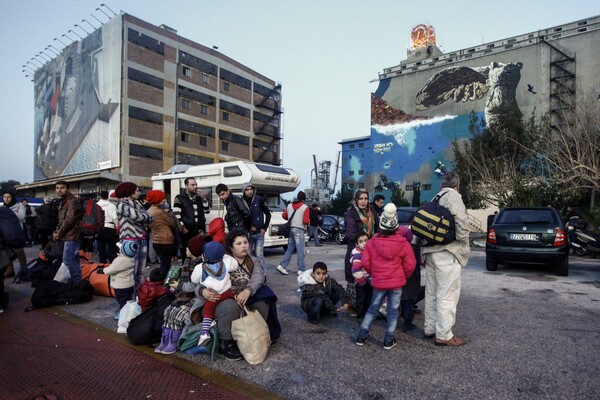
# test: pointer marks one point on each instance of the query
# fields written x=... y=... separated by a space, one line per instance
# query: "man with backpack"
x=444 y=263
x=91 y=225
x=70 y=213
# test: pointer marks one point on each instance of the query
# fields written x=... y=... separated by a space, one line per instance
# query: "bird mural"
x=530 y=89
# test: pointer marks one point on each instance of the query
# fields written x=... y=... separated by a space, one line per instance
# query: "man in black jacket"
x=46 y=221
x=238 y=214
x=189 y=208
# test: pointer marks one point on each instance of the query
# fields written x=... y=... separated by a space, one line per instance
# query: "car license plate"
x=524 y=236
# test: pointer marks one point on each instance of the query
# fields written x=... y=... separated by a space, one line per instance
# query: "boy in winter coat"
x=121 y=279
x=320 y=293
x=152 y=289
x=362 y=280
x=389 y=259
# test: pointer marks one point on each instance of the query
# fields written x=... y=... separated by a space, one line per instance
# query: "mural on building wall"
x=411 y=148
x=77 y=94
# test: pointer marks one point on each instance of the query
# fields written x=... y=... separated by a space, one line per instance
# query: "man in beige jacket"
x=443 y=264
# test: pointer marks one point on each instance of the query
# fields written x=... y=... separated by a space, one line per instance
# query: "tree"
x=416 y=200
x=9 y=185
x=341 y=201
x=398 y=196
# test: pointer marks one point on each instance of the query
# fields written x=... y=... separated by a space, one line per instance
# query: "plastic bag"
x=129 y=311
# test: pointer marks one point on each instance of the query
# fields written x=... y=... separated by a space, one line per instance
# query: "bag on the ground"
x=188 y=341
x=434 y=223
x=146 y=328
x=38 y=270
x=130 y=310
x=53 y=293
x=93 y=218
x=11 y=229
x=100 y=282
x=53 y=250
x=63 y=274
x=251 y=334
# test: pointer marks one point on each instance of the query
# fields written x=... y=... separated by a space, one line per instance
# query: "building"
x=132 y=99
x=421 y=105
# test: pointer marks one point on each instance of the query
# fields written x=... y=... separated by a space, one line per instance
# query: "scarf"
x=367 y=219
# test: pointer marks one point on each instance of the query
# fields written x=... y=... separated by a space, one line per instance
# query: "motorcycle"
x=583 y=242
x=334 y=233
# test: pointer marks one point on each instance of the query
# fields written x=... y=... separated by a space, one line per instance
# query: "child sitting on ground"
x=152 y=289
x=320 y=293
x=213 y=273
x=364 y=290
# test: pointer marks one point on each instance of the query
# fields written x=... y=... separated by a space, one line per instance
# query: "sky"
x=324 y=53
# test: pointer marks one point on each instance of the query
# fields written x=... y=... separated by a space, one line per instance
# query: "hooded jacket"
x=330 y=290
x=389 y=260
x=238 y=214
x=216 y=230
x=260 y=215
x=302 y=216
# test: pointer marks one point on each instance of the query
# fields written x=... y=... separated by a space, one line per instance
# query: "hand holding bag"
x=252 y=336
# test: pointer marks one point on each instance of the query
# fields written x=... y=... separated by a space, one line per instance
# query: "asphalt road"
x=530 y=335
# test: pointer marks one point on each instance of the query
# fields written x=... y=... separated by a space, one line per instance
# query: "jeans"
x=107 y=245
x=140 y=264
x=313 y=232
x=257 y=241
x=393 y=302
x=71 y=259
x=295 y=241
x=364 y=296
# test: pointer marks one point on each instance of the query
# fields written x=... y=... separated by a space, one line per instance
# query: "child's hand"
x=174 y=285
x=343 y=308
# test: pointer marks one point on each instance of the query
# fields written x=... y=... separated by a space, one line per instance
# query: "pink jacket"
x=390 y=261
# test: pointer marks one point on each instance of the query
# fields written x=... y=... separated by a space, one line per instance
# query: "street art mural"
x=77 y=95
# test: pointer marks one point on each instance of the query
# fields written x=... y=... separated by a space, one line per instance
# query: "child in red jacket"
x=152 y=289
x=389 y=259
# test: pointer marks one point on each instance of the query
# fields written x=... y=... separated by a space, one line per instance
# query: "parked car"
x=528 y=235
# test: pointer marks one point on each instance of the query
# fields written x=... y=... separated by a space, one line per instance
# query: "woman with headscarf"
x=360 y=217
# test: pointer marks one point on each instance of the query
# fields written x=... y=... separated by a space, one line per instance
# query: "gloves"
x=100 y=271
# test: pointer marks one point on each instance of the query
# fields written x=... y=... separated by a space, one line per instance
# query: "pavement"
x=529 y=335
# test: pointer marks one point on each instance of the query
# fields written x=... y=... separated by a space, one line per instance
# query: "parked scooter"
x=335 y=233
x=583 y=242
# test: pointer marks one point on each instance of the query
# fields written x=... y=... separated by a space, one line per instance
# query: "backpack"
x=11 y=230
x=93 y=219
x=286 y=229
x=434 y=223
x=53 y=293
x=38 y=270
x=146 y=328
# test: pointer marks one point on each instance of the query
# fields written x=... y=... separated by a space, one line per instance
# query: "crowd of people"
x=381 y=266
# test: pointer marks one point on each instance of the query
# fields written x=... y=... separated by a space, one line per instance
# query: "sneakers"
x=388 y=344
x=204 y=340
x=453 y=341
x=300 y=273
x=229 y=350
x=361 y=341
x=282 y=270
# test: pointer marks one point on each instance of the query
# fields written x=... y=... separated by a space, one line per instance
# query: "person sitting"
x=152 y=289
x=320 y=293
x=248 y=284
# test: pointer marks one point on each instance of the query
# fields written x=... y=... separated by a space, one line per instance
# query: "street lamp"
x=63 y=43
x=102 y=11
x=36 y=60
x=54 y=48
x=68 y=37
x=96 y=18
x=30 y=69
x=80 y=27
x=89 y=23
x=53 y=51
x=107 y=7
x=76 y=34
x=42 y=53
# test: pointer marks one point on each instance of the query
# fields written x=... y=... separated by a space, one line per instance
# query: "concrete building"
x=132 y=99
x=422 y=104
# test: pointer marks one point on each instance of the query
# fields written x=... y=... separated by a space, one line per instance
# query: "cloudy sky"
x=324 y=53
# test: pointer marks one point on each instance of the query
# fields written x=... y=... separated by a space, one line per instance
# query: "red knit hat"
x=155 y=196
x=125 y=189
x=195 y=245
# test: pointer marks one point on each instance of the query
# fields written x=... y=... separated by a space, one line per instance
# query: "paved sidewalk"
x=52 y=354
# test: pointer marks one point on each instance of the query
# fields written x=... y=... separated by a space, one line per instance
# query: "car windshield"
x=541 y=217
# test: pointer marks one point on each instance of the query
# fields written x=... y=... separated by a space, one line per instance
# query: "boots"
x=164 y=340
x=230 y=350
x=173 y=338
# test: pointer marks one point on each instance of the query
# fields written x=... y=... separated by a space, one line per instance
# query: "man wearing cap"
x=133 y=219
x=299 y=216
x=260 y=218
x=70 y=213
x=189 y=208
x=107 y=238
x=238 y=214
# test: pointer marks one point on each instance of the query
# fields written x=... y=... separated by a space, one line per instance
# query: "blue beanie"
x=213 y=252
x=130 y=248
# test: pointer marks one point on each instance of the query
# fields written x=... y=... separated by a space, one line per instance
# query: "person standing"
x=70 y=213
x=29 y=223
x=10 y=201
x=260 y=218
x=377 y=203
x=443 y=264
x=360 y=217
x=238 y=214
x=107 y=238
x=133 y=219
x=189 y=208
x=46 y=221
x=162 y=229
x=299 y=216
x=315 y=221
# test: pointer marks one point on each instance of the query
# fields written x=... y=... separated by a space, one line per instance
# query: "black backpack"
x=146 y=328
x=434 y=223
x=11 y=229
x=53 y=293
x=38 y=270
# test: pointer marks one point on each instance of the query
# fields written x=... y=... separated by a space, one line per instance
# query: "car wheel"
x=491 y=265
x=339 y=238
x=563 y=267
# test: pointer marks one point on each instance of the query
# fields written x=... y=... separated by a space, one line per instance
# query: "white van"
x=269 y=180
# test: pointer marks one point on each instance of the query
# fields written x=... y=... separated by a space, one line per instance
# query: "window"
x=408 y=188
x=361 y=172
x=361 y=145
x=145 y=115
x=147 y=79
x=203 y=141
x=350 y=173
x=187 y=71
x=225 y=116
x=224 y=146
x=203 y=110
x=185 y=104
x=226 y=86
x=137 y=150
x=185 y=137
x=351 y=146
x=361 y=185
x=427 y=186
x=205 y=78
